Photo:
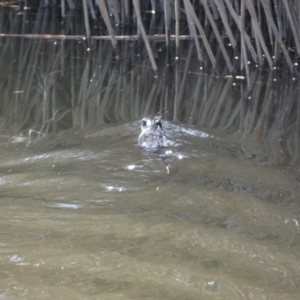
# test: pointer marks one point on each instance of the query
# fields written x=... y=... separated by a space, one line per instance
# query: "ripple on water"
x=98 y=216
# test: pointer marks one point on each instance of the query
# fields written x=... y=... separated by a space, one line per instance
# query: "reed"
x=201 y=30
x=116 y=11
x=279 y=24
x=194 y=32
x=277 y=35
x=104 y=13
x=177 y=29
x=244 y=56
x=292 y=25
x=125 y=12
x=257 y=30
x=141 y=26
x=247 y=38
x=224 y=16
x=175 y=87
x=215 y=119
x=218 y=36
x=86 y=18
x=167 y=20
x=260 y=59
x=92 y=9
x=185 y=72
x=63 y=8
x=71 y=4
x=96 y=89
x=272 y=26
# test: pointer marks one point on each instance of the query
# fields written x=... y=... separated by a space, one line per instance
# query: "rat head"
x=151 y=123
x=152 y=136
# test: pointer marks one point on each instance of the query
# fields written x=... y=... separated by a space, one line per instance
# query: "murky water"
x=88 y=215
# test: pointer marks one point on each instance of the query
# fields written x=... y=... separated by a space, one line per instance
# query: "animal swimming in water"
x=152 y=136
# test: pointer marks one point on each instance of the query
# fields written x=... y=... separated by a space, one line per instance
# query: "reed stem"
x=63 y=8
x=224 y=18
x=247 y=39
x=141 y=26
x=277 y=35
x=193 y=31
x=244 y=57
x=177 y=25
x=218 y=36
x=204 y=38
x=255 y=23
x=86 y=18
x=292 y=24
x=104 y=13
x=167 y=20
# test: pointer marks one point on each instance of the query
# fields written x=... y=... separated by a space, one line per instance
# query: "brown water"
x=88 y=215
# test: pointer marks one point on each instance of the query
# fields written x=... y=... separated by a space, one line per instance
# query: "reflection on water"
x=95 y=217
x=86 y=214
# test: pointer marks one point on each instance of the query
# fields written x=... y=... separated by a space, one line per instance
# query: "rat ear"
x=158 y=122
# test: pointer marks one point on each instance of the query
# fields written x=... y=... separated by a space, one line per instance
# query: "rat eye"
x=144 y=122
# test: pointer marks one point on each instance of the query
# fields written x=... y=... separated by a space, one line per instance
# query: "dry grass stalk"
x=86 y=18
x=277 y=35
x=201 y=30
x=63 y=8
x=244 y=57
x=167 y=20
x=224 y=17
x=292 y=24
x=141 y=26
x=193 y=32
x=247 y=39
x=104 y=13
x=218 y=36
x=177 y=33
x=257 y=30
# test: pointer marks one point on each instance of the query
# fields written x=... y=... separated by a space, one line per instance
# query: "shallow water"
x=86 y=214
x=89 y=215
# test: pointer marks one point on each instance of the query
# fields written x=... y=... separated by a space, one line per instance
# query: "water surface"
x=88 y=215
